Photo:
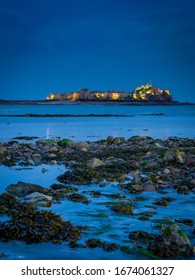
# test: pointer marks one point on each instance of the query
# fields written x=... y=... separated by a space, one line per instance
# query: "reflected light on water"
x=47 y=132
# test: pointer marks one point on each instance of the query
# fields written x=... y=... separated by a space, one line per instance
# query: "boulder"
x=95 y=162
x=22 y=189
x=53 y=162
x=110 y=139
x=136 y=189
x=52 y=156
x=173 y=233
x=82 y=146
x=36 y=158
x=39 y=199
x=53 y=149
x=115 y=140
x=172 y=243
x=174 y=155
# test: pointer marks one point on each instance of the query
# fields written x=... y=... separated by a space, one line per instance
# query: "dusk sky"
x=66 y=45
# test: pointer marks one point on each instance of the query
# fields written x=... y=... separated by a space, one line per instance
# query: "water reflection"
x=47 y=132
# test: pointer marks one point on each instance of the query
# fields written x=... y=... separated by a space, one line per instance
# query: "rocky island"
x=142 y=96
x=142 y=93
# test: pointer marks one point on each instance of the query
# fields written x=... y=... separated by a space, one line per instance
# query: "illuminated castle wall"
x=143 y=92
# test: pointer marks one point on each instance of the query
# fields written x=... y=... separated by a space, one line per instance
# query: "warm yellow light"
x=52 y=96
x=75 y=95
x=100 y=95
x=115 y=95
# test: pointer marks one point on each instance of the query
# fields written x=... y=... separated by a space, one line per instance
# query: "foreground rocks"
x=22 y=189
x=30 y=224
x=135 y=166
x=39 y=199
x=171 y=243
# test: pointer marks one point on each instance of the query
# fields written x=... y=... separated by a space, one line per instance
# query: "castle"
x=142 y=93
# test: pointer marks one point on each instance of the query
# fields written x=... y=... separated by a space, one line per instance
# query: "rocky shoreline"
x=136 y=166
x=93 y=102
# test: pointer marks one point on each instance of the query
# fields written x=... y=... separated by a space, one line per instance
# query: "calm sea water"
x=175 y=121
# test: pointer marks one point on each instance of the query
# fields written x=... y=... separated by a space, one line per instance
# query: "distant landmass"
x=142 y=93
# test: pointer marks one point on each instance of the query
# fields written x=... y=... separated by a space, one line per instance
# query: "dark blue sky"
x=65 y=45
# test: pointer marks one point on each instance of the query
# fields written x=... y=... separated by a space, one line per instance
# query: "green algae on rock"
x=75 y=197
x=94 y=243
x=122 y=208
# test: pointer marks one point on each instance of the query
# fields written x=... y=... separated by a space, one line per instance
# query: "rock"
x=173 y=233
x=95 y=162
x=150 y=188
x=82 y=146
x=133 y=187
x=110 y=139
x=15 y=146
x=159 y=146
x=30 y=162
x=141 y=235
x=29 y=224
x=183 y=189
x=84 y=149
x=26 y=138
x=174 y=155
x=36 y=158
x=164 y=201
x=166 y=171
x=43 y=170
x=76 y=197
x=122 y=208
x=185 y=221
x=3 y=151
x=52 y=156
x=119 y=140
x=136 y=189
x=161 y=202
x=115 y=140
x=53 y=150
x=39 y=199
x=113 y=160
x=136 y=175
x=68 y=151
x=22 y=189
x=53 y=162
x=94 y=243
